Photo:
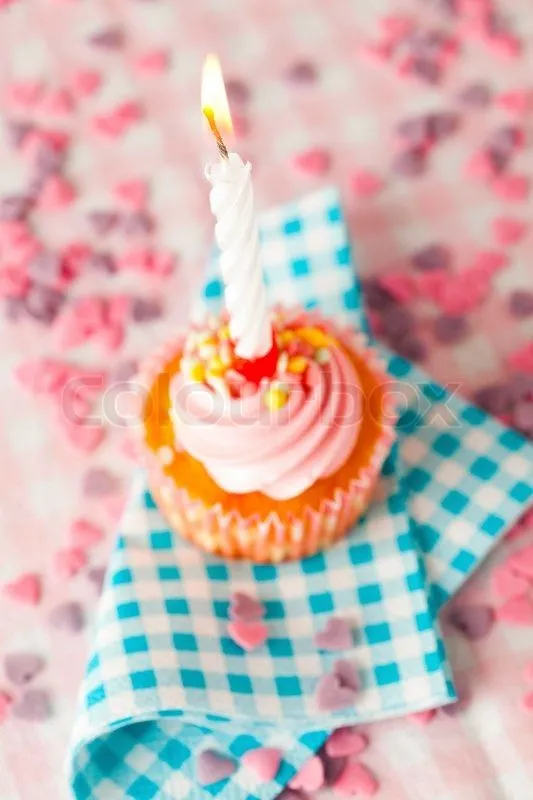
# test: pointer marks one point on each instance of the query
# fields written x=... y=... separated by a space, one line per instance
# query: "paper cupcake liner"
x=270 y=539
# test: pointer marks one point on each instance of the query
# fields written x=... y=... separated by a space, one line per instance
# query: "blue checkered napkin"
x=165 y=681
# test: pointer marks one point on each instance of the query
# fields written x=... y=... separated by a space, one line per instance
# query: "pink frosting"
x=245 y=447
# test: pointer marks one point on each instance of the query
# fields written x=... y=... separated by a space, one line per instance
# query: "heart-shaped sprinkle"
x=21 y=668
x=301 y=72
x=68 y=617
x=422 y=717
x=332 y=767
x=433 y=256
x=248 y=635
x=521 y=303
x=517 y=611
x=473 y=621
x=345 y=742
x=212 y=767
x=522 y=562
x=356 y=779
x=332 y=695
x=34 y=706
x=132 y=192
x=6 y=701
x=450 y=329
x=347 y=674
x=103 y=222
x=110 y=38
x=70 y=561
x=97 y=576
x=85 y=534
x=26 y=589
x=336 y=635
x=310 y=778
x=146 y=309
x=244 y=607
x=315 y=161
x=264 y=761
x=100 y=481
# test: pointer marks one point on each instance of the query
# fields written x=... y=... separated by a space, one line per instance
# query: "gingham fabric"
x=165 y=680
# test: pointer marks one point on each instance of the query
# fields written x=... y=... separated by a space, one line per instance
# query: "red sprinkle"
x=514 y=188
x=85 y=82
x=517 y=101
x=153 y=62
x=25 y=94
x=26 y=589
x=70 y=561
x=57 y=192
x=132 y=192
x=315 y=161
x=365 y=183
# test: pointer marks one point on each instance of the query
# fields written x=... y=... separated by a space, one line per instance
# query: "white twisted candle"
x=237 y=235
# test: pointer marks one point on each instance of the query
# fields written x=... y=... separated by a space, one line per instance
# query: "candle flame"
x=214 y=98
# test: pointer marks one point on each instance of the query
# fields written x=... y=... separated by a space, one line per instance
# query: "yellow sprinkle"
x=297 y=364
x=216 y=367
x=224 y=332
x=286 y=336
x=275 y=398
x=315 y=337
x=197 y=371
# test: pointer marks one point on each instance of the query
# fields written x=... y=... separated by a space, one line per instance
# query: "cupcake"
x=271 y=469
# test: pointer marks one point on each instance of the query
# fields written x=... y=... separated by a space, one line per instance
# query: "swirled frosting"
x=278 y=437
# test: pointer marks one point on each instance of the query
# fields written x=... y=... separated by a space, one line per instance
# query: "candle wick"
x=210 y=117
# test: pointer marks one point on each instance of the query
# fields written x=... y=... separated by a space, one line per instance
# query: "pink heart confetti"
x=310 y=778
x=6 y=701
x=508 y=230
x=315 y=161
x=336 y=635
x=516 y=101
x=516 y=611
x=422 y=717
x=345 y=742
x=70 y=561
x=153 y=62
x=506 y=583
x=85 y=534
x=513 y=188
x=58 y=192
x=26 y=589
x=25 y=94
x=133 y=192
x=244 y=607
x=34 y=706
x=264 y=761
x=365 y=183
x=248 y=635
x=356 y=779
x=85 y=82
x=22 y=668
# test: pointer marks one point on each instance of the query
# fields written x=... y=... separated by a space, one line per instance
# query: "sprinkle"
x=70 y=561
x=356 y=779
x=520 y=303
x=297 y=364
x=410 y=163
x=517 y=611
x=111 y=38
x=96 y=576
x=15 y=207
x=44 y=303
x=103 y=222
x=85 y=82
x=508 y=230
x=250 y=635
x=301 y=72
x=337 y=689
x=153 y=62
x=443 y=124
x=411 y=348
x=322 y=356
x=25 y=589
x=518 y=102
x=85 y=534
x=365 y=183
x=422 y=717
x=6 y=701
x=34 y=706
x=507 y=139
x=22 y=668
x=237 y=90
x=397 y=322
x=315 y=161
x=57 y=192
x=310 y=778
x=68 y=617
x=449 y=329
x=514 y=188
x=476 y=95
x=402 y=286
x=212 y=767
x=473 y=621
x=336 y=635
x=433 y=256
x=145 y=309
x=245 y=607
x=196 y=371
x=132 y=192
x=275 y=398
x=346 y=742
x=264 y=762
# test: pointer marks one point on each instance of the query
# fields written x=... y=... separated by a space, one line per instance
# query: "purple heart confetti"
x=109 y=39
x=331 y=695
x=44 y=303
x=34 y=706
x=244 y=607
x=21 y=668
x=336 y=635
x=99 y=481
x=451 y=329
x=17 y=131
x=102 y=262
x=145 y=309
x=96 y=576
x=432 y=256
x=46 y=267
x=476 y=95
x=412 y=348
x=301 y=72
x=237 y=90
x=68 y=617
x=397 y=322
x=473 y=621
x=15 y=207
x=103 y=222
x=521 y=303
x=410 y=163
x=212 y=767
x=139 y=223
